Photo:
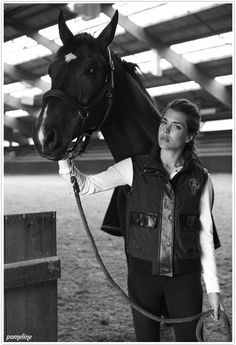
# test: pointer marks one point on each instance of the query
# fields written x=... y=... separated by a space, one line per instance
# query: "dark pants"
x=182 y=295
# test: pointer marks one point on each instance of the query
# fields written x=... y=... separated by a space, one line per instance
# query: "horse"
x=91 y=89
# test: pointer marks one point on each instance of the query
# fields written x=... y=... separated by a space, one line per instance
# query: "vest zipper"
x=173 y=235
x=158 y=260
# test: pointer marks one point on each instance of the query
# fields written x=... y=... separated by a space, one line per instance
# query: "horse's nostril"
x=51 y=140
x=50 y=134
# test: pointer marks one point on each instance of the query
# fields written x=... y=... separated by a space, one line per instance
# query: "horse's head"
x=81 y=77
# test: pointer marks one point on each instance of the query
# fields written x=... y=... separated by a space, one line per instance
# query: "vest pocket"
x=142 y=235
x=189 y=230
x=143 y=220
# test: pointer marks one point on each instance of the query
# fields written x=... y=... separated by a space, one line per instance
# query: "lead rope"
x=200 y=316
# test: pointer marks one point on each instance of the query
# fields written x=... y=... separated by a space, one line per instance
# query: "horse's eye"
x=93 y=70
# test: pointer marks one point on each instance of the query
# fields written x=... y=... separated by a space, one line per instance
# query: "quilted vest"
x=163 y=223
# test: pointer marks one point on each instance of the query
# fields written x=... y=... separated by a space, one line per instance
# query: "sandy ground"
x=89 y=310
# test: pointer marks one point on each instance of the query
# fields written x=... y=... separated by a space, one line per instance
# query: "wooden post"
x=31 y=270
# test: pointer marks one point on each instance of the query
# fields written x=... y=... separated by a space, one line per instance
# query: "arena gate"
x=31 y=270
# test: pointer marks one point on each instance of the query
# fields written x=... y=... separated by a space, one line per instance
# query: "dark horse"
x=92 y=87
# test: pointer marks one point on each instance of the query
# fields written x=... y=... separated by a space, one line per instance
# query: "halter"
x=84 y=110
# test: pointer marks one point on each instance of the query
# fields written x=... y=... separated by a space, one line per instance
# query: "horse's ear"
x=64 y=32
x=106 y=36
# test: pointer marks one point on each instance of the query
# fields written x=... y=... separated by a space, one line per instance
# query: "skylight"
x=195 y=51
x=225 y=79
x=78 y=25
x=173 y=88
x=205 y=49
x=21 y=89
x=13 y=87
x=186 y=86
x=147 y=61
x=15 y=45
x=204 y=43
x=23 y=49
x=27 y=92
x=217 y=125
x=167 y=11
x=209 y=54
x=128 y=8
x=16 y=113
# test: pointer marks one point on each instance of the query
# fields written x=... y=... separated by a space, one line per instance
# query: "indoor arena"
x=55 y=288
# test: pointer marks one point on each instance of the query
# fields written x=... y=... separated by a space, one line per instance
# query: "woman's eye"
x=177 y=127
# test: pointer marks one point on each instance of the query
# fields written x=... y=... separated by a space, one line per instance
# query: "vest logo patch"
x=194 y=185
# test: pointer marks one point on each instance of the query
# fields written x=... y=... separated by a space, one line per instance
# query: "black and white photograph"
x=117 y=172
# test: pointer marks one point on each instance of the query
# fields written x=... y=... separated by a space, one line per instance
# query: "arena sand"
x=89 y=310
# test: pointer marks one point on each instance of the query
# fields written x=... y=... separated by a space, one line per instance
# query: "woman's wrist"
x=64 y=167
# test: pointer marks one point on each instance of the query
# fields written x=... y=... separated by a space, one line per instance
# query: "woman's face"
x=173 y=130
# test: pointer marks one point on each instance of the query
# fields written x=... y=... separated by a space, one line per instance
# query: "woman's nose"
x=167 y=129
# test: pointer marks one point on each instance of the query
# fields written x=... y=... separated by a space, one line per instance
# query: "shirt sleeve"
x=119 y=174
x=208 y=260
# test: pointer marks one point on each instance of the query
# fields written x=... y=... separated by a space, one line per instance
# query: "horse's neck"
x=132 y=125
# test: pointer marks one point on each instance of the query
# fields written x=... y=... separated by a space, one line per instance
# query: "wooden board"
x=31 y=271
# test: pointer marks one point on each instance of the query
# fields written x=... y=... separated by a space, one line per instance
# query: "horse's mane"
x=132 y=69
x=71 y=45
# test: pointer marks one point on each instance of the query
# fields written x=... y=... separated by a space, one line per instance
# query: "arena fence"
x=214 y=150
x=31 y=270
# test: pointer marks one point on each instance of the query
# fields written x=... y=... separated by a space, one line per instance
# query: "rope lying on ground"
x=200 y=316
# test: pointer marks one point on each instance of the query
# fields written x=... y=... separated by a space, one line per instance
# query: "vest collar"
x=153 y=162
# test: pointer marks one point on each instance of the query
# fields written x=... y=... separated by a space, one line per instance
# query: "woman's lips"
x=164 y=139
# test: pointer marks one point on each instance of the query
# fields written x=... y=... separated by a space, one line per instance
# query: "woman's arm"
x=206 y=239
x=119 y=174
x=208 y=251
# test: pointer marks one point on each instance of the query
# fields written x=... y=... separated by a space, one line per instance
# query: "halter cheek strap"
x=112 y=67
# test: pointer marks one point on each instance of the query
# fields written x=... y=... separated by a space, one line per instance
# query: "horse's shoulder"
x=143 y=159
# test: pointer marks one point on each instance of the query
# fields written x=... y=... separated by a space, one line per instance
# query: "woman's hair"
x=192 y=113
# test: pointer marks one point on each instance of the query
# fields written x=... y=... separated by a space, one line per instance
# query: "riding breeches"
x=182 y=295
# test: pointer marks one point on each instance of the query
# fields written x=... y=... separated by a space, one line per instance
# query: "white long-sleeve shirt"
x=121 y=174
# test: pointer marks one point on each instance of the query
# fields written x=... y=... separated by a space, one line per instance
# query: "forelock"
x=72 y=45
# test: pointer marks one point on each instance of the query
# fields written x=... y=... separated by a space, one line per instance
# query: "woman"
x=169 y=235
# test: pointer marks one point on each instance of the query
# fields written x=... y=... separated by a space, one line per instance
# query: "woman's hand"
x=64 y=171
x=216 y=303
x=64 y=167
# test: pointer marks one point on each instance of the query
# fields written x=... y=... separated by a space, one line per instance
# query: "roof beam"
x=25 y=30
x=210 y=85
x=18 y=74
